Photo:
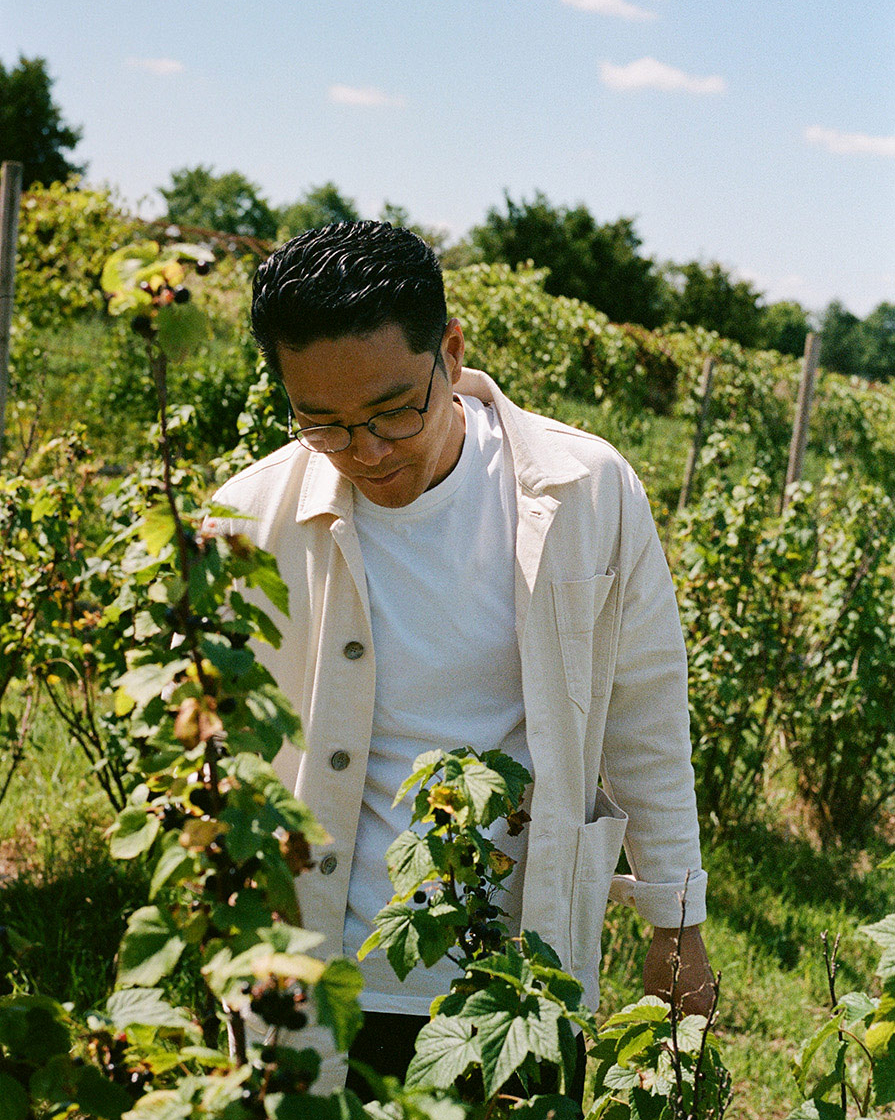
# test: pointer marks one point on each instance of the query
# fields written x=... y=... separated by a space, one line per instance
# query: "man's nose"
x=369 y=449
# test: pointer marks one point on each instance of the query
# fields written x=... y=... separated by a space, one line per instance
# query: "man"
x=461 y=573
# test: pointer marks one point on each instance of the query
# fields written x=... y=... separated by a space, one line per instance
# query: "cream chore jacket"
x=604 y=678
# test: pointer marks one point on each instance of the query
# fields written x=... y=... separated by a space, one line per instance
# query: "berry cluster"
x=280 y=1006
x=109 y=1053
x=163 y=294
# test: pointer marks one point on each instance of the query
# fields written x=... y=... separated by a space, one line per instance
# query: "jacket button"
x=328 y=865
x=353 y=650
x=339 y=760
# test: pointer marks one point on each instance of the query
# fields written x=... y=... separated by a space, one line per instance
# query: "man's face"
x=348 y=380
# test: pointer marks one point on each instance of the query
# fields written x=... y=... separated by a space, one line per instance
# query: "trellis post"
x=10 y=191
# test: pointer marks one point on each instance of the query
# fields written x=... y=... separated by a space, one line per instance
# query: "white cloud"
x=647 y=73
x=620 y=8
x=162 y=67
x=367 y=97
x=850 y=143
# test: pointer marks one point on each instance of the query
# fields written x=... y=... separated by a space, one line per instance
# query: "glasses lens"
x=402 y=423
x=328 y=438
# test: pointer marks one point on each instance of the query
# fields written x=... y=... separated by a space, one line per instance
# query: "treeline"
x=599 y=263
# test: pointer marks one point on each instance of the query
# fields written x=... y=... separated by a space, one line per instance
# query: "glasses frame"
x=297 y=433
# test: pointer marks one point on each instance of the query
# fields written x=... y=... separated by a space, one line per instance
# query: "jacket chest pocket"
x=585 y=615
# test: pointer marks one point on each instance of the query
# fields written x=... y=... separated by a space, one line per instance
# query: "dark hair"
x=348 y=279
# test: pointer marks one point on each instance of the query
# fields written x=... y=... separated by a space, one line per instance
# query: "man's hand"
x=694 y=990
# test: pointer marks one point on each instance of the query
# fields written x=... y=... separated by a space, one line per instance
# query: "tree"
x=877 y=344
x=596 y=263
x=708 y=296
x=840 y=344
x=31 y=127
x=400 y=216
x=319 y=206
x=229 y=202
x=784 y=327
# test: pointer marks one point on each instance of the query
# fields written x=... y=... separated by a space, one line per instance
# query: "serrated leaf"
x=650 y=1009
x=620 y=1077
x=182 y=328
x=398 y=937
x=424 y=766
x=121 y=268
x=481 y=784
x=857 y=1005
x=150 y=949
x=147 y=681
x=336 y=995
x=883 y=933
x=445 y=1047
x=689 y=1033
x=133 y=833
x=146 y=1006
x=409 y=862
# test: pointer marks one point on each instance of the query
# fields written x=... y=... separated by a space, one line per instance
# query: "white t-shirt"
x=440 y=579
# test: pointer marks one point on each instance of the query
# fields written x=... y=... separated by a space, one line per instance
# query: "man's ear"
x=453 y=347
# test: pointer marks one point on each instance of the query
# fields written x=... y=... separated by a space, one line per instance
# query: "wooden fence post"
x=705 y=393
x=803 y=410
x=10 y=190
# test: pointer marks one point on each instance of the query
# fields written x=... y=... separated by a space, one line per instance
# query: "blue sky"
x=760 y=134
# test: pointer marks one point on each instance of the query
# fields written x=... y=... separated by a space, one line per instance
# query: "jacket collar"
x=539 y=463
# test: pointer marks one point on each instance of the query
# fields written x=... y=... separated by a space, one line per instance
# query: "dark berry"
x=295 y=1020
x=441 y=817
x=145 y=286
x=142 y=324
x=181 y=294
x=419 y=897
x=466 y=859
x=203 y=268
x=227 y=705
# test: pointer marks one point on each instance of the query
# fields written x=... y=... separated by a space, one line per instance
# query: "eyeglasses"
x=394 y=424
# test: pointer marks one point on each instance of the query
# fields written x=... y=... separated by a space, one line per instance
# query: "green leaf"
x=689 y=1033
x=265 y=575
x=147 y=681
x=146 y=1006
x=122 y=266
x=510 y=1029
x=636 y=1045
x=514 y=774
x=481 y=785
x=424 y=766
x=553 y=1106
x=157 y=528
x=802 y=1061
x=32 y=1028
x=620 y=1077
x=444 y=1049
x=884 y=1079
x=538 y=951
x=151 y=947
x=883 y=933
x=343 y=1105
x=650 y=1009
x=182 y=328
x=99 y=1097
x=133 y=833
x=14 y=1103
x=175 y=863
x=336 y=995
x=409 y=862
x=817 y=1110
x=858 y=1006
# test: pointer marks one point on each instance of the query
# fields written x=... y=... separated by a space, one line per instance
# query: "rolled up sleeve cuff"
x=660 y=903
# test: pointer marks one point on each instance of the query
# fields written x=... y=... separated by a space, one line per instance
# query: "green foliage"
x=318 y=206
x=769 y=602
x=53 y=283
x=708 y=296
x=32 y=130
x=228 y=202
x=784 y=327
x=598 y=264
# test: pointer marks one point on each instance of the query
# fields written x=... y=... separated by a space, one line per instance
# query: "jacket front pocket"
x=596 y=858
x=577 y=604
